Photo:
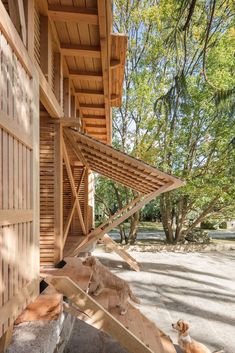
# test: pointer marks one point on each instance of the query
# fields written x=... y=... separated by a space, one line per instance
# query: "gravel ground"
x=197 y=287
x=214 y=234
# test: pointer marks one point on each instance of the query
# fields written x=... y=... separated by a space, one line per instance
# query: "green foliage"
x=179 y=100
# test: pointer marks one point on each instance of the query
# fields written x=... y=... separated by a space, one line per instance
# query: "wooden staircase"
x=133 y=330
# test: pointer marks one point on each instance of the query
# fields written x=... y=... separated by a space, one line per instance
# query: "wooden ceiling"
x=116 y=165
x=94 y=58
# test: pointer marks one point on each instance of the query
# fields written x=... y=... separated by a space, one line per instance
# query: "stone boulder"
x=197 y=235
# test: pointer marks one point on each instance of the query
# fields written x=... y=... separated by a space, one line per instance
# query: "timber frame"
x=61 y=72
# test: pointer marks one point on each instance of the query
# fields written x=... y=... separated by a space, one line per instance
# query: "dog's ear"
x=185 y=326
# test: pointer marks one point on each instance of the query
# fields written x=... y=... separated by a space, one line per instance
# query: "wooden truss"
x=148 y=181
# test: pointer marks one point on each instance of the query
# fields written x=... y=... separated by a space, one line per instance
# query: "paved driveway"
x=198 y=287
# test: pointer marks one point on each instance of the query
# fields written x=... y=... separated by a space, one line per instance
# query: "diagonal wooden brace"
x=71 y=212
x=73 y=187
x=107 y=226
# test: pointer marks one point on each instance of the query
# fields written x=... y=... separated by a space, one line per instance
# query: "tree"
x=178 y=103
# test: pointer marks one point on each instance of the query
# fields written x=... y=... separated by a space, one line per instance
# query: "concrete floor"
x=197 y=287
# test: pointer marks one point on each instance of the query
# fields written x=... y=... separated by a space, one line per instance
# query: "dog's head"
x=89 y=261
x=181 y=326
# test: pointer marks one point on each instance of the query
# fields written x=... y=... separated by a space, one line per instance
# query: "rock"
x=199 y=236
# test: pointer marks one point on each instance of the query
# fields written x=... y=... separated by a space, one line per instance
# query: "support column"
x=58 y=192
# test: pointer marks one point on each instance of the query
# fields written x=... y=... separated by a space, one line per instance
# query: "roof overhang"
x=94 y=60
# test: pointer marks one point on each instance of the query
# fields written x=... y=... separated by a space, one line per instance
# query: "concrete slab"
x=197 y=287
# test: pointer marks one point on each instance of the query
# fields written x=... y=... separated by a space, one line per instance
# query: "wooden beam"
x=30 y=27
x=93 y=117
x=73 y=107
x=97 y=107
x=47 y=96
x=80 y=50
x=58 y=79
x=69 y=122
x=44 y=46
x=97 y=131
x=89 y=93
x=101 y=230
x=93 y=120
x=58 y=193
x=86 y=75
x=118 y=249
x=115 y=63
x=73 y=187
x=105 y=44
x=8 y=217
x=66 y=97
x=8 y=29
x=73 y=14
x=99 y=125
x=99 y=317
x=16 y=10
x=75 y=147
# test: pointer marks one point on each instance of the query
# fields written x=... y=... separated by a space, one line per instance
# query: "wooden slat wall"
x=47 y=182
x=19 y=266
x=50 y=193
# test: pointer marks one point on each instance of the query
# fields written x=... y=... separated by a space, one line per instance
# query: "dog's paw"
x=123 y=311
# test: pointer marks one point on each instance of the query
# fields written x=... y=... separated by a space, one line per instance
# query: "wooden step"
x=152 y=338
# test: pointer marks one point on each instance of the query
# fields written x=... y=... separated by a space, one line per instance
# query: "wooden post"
x=67 y=98
x=16 y=10
x=44 y=46
x=30 y=27
x=58 y=190
x=73 y=107
x=58 y=83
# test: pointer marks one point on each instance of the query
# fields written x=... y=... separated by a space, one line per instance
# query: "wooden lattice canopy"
x=119 y=166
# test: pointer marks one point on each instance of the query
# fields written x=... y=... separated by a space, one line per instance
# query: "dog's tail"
x=133 y=297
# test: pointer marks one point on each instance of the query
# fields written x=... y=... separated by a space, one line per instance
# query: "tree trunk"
x=166 y=215
x=181 y=211
x=123 y=236
x=134 y=227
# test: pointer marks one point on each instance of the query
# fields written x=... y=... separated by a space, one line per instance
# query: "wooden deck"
x=133 y=321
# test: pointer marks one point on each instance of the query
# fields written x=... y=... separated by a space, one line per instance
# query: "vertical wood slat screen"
x=47 y=181
x=19 y=260
x=50 y=193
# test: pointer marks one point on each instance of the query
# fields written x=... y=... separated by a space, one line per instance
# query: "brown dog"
x=103 y=278
x=186 y=343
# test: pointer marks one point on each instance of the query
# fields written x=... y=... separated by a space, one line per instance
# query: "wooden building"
x=61 y=72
